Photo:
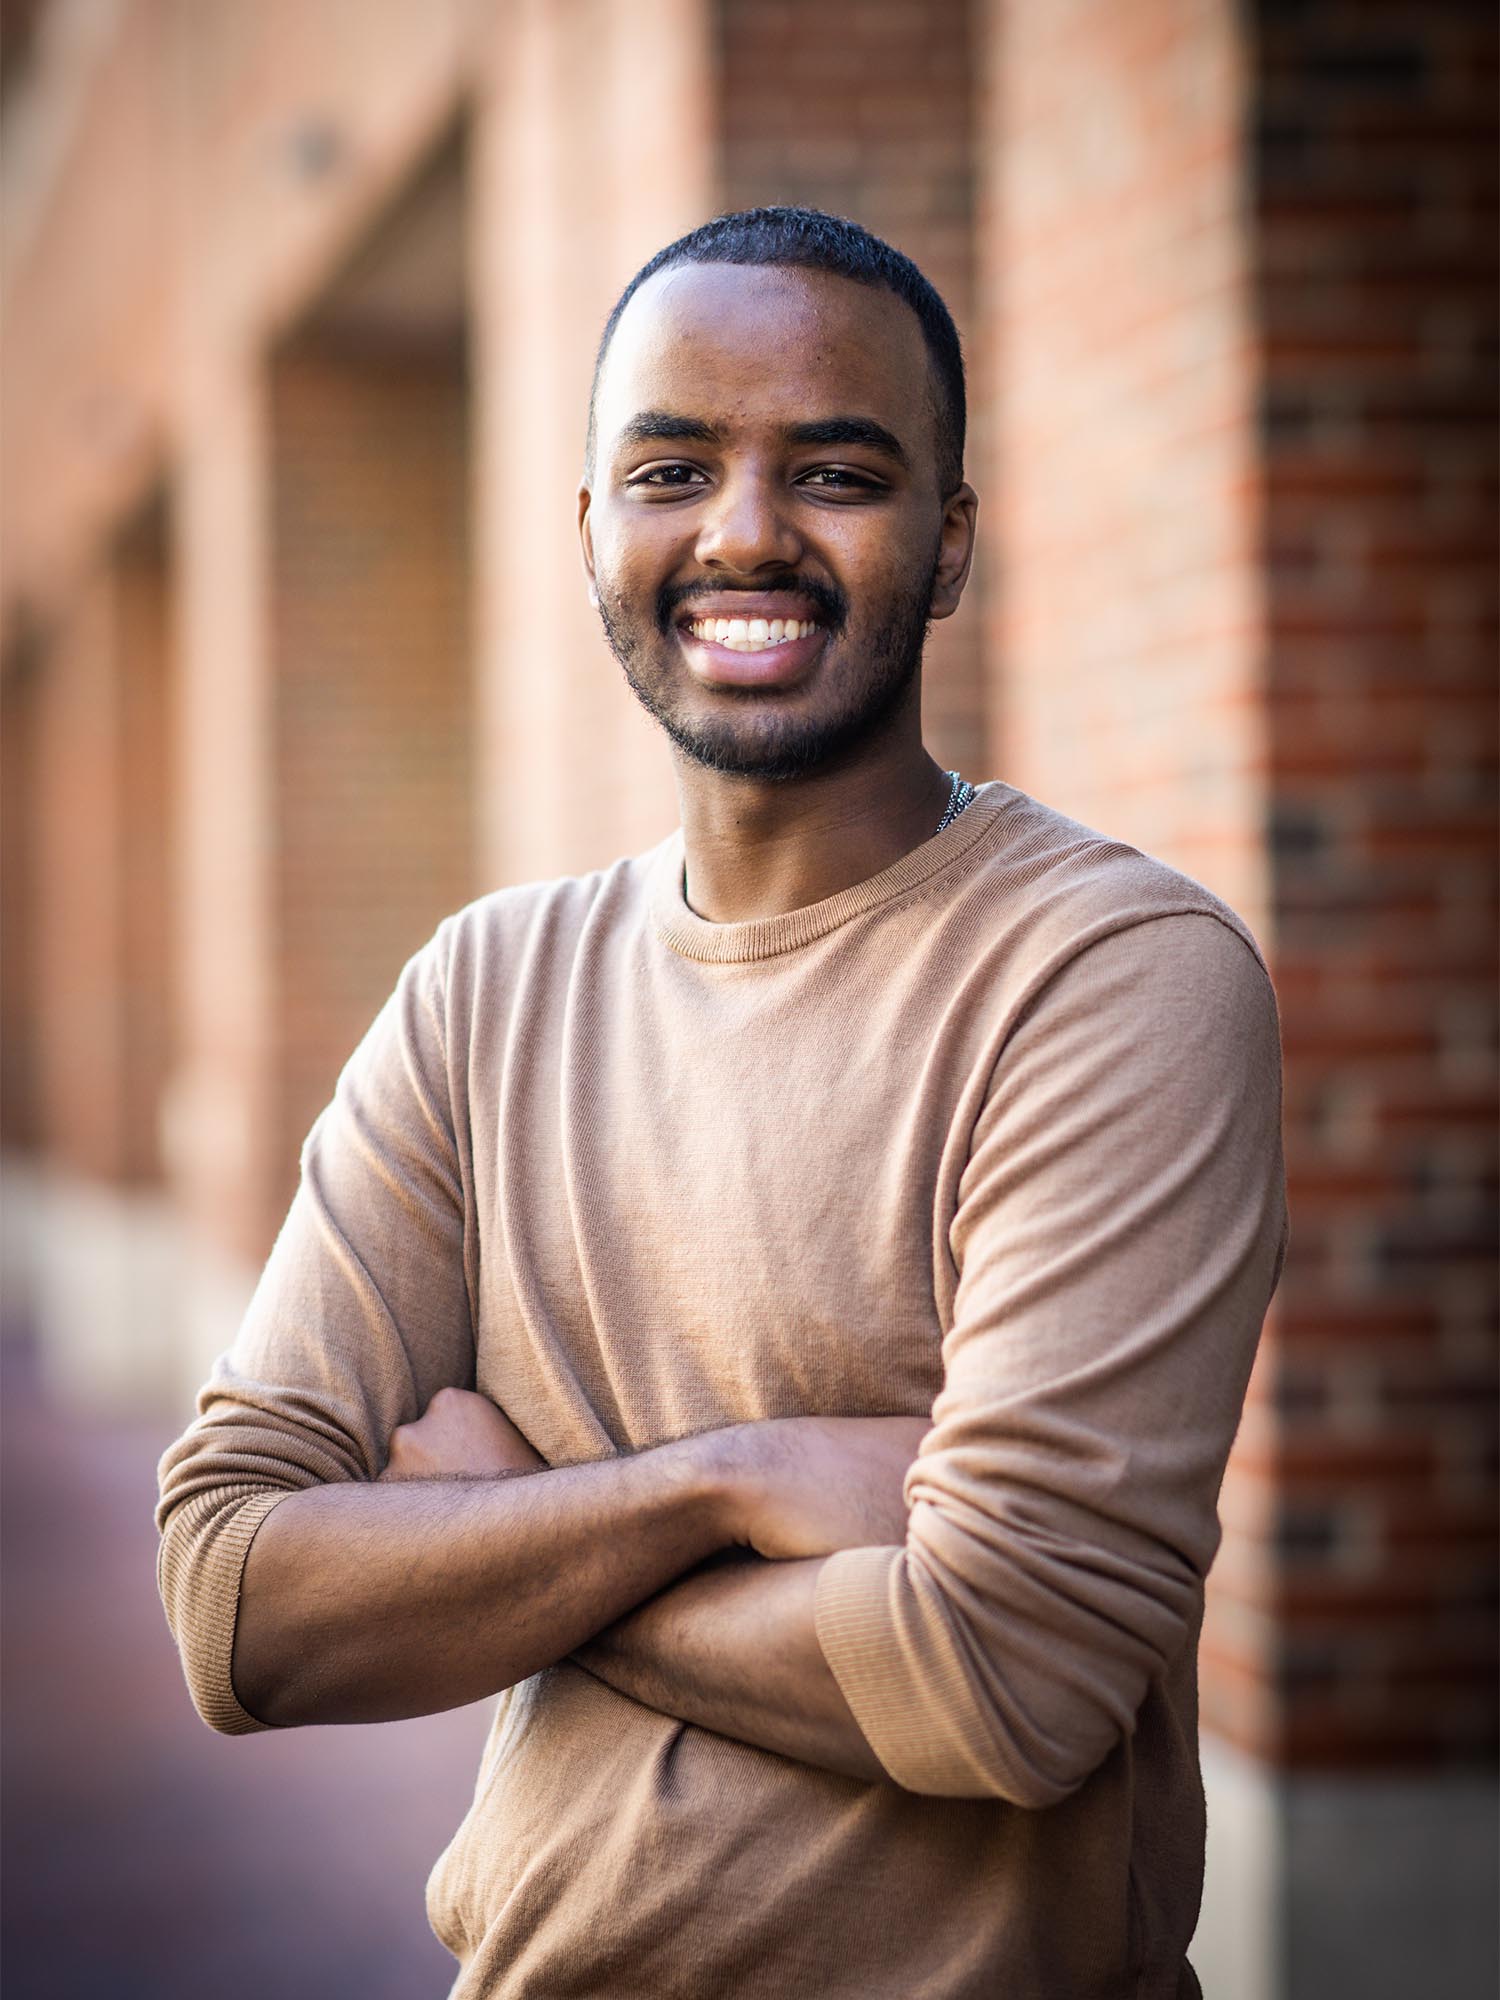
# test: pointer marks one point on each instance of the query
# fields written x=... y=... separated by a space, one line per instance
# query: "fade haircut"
x=807 y=239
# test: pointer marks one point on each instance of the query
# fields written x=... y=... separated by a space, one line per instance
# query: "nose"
x=746 y=526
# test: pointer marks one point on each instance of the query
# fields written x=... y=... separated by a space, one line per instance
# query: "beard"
x=756 y=742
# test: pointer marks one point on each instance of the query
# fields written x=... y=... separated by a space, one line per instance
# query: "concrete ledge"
x=1237 y=1951
x=1392 y=1887
x=1319 y=1887
x=127 y=1308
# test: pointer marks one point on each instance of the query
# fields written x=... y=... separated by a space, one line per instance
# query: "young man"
x=856 y=1218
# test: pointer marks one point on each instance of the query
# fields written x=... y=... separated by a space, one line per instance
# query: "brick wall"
x=867 y=110
x=1125 y=640
x=1374 y=188
x=144 y=833
x=369 y=632
x=86 y=283
x=221 y=1135
x=78 y=1053
x=20 y=810
x=101 y=1014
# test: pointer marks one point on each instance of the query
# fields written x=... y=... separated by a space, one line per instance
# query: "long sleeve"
x=1119 y=1231
x=362 y=1314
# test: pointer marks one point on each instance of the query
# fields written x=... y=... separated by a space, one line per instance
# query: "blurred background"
x=299 y=301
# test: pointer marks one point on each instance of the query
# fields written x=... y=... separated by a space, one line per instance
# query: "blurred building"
x=300 y=299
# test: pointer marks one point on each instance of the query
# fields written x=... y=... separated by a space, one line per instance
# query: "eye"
x=840 y=479
x=666 y=478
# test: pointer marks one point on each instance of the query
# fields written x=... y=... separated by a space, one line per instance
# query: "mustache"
x=831 y=603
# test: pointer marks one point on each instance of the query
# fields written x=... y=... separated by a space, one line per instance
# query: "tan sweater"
x=995 y=1135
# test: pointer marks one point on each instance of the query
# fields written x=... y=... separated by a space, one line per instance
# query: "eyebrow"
x=654 y=426
x=850 y=430
x=660 y=426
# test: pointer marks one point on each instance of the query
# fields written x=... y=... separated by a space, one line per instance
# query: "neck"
x=757 y=849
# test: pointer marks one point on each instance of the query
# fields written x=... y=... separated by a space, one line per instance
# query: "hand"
x=459 y=1435
x=806 y=1486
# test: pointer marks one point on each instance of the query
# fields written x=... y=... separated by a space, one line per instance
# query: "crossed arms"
x=470 y=1566
x=982 y=1619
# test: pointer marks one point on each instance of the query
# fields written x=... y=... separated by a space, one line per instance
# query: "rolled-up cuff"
x=199 y=1570
x=900 y=1664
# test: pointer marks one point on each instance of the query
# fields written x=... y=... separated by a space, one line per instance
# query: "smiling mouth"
x=751 y=635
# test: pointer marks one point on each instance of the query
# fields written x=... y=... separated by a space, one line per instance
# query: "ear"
x=955 y=551
x=586 y=540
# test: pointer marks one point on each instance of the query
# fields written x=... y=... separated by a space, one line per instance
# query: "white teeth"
x=751 y=635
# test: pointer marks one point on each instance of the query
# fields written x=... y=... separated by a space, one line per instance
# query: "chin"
x=761 y=761
x=754 y=736
x=774 y=749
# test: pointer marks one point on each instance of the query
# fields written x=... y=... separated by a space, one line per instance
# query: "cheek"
x=871 y=579
x=635 y=547
x=870 y=550
x=627 y=594
x=900 y=562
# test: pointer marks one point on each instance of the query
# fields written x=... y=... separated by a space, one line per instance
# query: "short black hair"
x=807 y=239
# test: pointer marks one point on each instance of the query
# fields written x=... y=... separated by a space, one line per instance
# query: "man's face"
x=764 y=530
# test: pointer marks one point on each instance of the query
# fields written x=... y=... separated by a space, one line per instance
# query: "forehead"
x=749 y=343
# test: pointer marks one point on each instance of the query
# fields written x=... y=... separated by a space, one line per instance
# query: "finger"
x=398 y=1453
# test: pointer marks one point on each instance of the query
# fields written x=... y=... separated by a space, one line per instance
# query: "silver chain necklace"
x=962 y=794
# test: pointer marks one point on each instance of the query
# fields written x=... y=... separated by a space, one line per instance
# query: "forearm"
x=365 y=1603
x=735 y=1650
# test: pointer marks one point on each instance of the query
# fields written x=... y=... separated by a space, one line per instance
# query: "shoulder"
x=478 y=953
x=1130 y=993
x=1058 y=890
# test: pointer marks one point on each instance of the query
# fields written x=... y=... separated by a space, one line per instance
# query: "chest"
x=712 y=1208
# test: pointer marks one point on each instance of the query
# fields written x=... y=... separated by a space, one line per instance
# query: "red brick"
x=373 y=691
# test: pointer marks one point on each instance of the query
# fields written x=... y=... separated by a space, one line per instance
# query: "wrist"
x=720 y=1472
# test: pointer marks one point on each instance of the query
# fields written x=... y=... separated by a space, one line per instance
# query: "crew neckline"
x=692 y=936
